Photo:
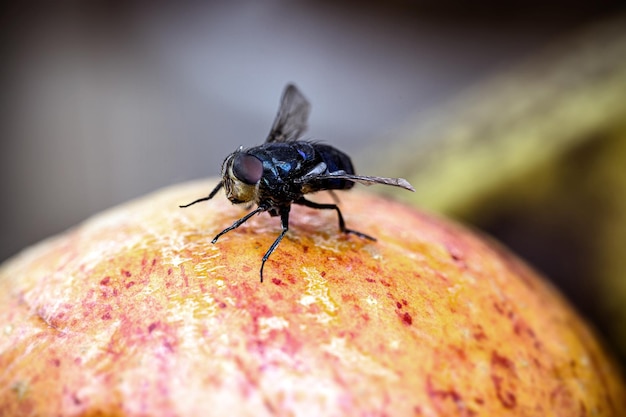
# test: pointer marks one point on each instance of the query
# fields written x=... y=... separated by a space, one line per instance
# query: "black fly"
x=282 y=170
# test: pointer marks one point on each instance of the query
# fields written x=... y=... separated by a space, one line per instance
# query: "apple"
x=136 y=313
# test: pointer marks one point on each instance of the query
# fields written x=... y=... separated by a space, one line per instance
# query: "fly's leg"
x=239 y=222
x=284 y=221
x=334 y=196
x=215 y=190
x=342 y=225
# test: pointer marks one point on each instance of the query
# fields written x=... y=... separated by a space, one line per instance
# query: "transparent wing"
x=396 y=182
x=291 y=120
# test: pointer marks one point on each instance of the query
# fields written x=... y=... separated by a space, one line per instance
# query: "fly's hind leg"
x=342 y=224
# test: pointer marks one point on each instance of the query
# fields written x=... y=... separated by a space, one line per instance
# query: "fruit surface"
x=136 y=313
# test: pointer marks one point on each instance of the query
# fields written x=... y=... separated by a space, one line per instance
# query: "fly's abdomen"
x=335 y=160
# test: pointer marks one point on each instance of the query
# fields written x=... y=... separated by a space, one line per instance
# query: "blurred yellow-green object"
x=537 y=157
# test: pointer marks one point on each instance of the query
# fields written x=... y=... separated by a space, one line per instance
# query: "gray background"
x=107 y=101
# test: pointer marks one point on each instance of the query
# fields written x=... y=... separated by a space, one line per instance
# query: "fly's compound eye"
x=247 y=168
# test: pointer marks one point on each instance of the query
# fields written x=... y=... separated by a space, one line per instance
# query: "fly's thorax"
x=241 y=174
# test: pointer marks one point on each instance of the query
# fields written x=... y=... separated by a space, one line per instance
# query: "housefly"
x=285 y=168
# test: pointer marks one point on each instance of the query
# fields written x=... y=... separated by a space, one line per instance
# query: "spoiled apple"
x=135 y=312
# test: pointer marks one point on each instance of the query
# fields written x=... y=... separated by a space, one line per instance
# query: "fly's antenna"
x=215 y=190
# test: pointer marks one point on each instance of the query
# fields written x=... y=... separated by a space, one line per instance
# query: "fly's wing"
x=365 y=180
x=291 y=120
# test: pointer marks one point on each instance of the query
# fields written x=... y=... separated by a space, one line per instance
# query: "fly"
x=281 y=171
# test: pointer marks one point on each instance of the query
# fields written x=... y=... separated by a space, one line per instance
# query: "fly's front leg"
x=238 y=223
x=215 y=190
x=284 y=221
x=342 y=225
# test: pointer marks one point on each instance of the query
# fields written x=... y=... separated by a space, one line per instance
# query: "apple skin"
x=136 y=313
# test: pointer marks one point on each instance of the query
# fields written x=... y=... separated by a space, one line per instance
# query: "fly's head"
x=241 y=173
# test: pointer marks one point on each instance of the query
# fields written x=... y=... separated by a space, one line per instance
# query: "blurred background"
x=108 y=100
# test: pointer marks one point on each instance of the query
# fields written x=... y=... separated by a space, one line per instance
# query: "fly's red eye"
x=247 y=168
